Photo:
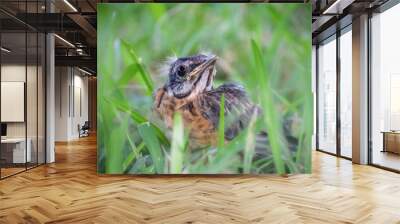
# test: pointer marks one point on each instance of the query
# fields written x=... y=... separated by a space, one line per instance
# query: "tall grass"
x=264 y=47
x=178 y=145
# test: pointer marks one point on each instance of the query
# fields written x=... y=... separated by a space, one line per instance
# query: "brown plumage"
x=189 y=91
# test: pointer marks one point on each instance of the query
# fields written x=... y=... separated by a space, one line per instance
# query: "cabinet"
x=391 y=142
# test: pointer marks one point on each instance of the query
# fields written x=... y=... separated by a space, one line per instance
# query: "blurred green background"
x=264 y=47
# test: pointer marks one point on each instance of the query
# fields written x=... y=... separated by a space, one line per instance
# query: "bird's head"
x=189 y=76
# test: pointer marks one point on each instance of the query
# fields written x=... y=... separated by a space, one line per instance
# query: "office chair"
x=84 y=130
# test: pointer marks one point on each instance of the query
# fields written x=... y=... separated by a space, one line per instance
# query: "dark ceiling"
x=75 y=21
x=332 y=15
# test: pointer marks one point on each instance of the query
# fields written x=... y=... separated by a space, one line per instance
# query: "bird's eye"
x=181 y=71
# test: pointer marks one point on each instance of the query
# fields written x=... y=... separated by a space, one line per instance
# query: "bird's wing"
x=238 y=108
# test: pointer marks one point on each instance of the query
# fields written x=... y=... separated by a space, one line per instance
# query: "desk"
x=391 y=141
x=16 y=147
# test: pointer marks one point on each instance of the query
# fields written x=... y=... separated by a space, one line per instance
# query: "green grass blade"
x=157 y=10
x=139 y=118
x=142 y=71
x=115 y=144
x=133 y=154
x=224 y=160
x=250 y=145
x=150 y=139
x=271 y=121
x=177 y=145
x=127 y=75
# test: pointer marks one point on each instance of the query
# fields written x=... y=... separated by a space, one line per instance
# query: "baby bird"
x=190 y=92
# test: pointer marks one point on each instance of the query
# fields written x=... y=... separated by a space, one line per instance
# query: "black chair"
x=84 y=130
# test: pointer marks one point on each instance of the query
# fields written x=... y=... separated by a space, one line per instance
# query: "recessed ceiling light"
x=5 y=50
x=84 y=71
x=64 y=40
x=70 y=5
x=337 y=7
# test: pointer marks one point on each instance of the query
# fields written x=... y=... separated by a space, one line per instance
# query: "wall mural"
x=204 y=88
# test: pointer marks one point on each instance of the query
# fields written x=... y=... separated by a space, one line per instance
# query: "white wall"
x=9 y=73
x=81 y=88
x=33 y=126
x=71 y=102
x=62 y=81
x=13 y=101
x=12 y=73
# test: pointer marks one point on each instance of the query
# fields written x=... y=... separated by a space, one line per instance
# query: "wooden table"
x=391 y=141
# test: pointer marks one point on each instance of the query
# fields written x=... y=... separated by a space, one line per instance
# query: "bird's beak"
x=201 y=68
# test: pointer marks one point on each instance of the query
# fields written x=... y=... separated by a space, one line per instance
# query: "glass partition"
x=385 y=89
x=32 y=95
x=327 y=96
x=23 y=91
x=346 y=93
x=14 y=153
